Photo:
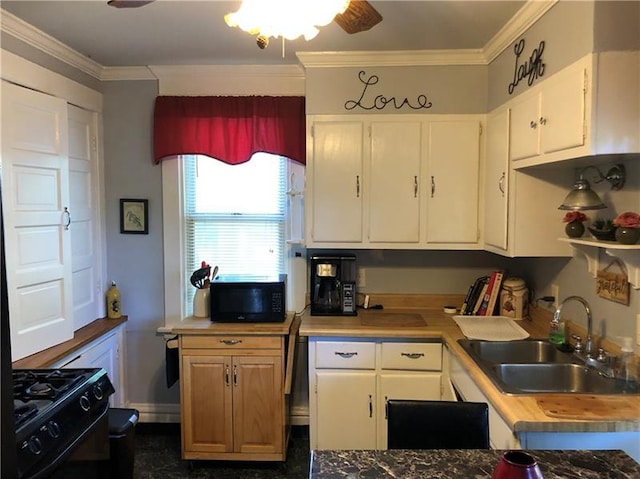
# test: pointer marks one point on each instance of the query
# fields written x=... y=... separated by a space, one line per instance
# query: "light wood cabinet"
x=233 y=396
x=350 y=382
x=393 y=182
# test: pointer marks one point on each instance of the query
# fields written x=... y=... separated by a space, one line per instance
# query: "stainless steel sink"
x=534 y=366
x=554 y=378
x=529 y=351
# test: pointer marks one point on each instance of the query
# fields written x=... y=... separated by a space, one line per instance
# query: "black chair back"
x=437 y=425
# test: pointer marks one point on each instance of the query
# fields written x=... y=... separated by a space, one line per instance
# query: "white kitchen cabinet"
x=350 y=382
x=105 y=352
x=394 y=204
x=334 y=181
x=550 y=118
x=393 y=181
x=496 y=180
x=588 y=108
x=521 y=216
x=453 y=162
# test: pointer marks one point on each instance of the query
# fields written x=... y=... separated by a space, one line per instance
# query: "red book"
x=495 y=291
x=484 y=306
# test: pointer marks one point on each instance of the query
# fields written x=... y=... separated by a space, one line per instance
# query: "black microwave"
x=248 y=299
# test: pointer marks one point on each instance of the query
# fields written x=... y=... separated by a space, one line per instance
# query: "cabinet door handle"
x=543 y=120
x=357 y=186
x=412 y=355
x=235 y=376
x=415 y=186
x=370 y=406
x=231 y=342
x=433 y=186
x=345 y=355
x=386 y=407
x=533 y=125
x=67 y=218
x=226 y=375
x=501 y=183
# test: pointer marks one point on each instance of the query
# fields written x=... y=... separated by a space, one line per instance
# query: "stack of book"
x=482 y=296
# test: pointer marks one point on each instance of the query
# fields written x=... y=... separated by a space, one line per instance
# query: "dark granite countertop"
x=466 y=464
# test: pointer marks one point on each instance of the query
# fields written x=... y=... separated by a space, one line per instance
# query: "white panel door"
x=496 y=182
x=345 y=410
x=404 y=385
x=453 y=164
x=35 y=200
x=336 y=174
x=394 y=206
x=83 y=199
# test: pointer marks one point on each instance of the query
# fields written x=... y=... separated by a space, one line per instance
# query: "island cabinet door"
x=404 y=385
x=206 y=400
x=258 y=404
x=345 y=410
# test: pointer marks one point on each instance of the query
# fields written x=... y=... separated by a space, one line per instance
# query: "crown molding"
x=29 y=34
x=391 y=58
x=127 y=73
x=530 y=13
x=227 y=71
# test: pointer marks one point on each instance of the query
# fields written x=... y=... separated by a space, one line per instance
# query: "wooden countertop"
x=204 y=326
x=521 y=412
x=83 y=336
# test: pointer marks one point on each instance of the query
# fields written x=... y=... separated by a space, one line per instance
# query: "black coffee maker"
x=332 y=285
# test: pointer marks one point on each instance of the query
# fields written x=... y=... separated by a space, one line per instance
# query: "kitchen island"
x=465 y=464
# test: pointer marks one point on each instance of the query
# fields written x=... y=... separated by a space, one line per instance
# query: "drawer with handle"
x=412 y=356
x=345 y=355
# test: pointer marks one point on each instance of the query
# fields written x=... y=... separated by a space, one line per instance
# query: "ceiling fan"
x=358 y=17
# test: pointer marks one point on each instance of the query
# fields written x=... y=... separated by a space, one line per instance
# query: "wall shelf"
x=628 y=254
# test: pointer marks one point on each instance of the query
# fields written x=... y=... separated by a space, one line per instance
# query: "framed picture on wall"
x=134 y=216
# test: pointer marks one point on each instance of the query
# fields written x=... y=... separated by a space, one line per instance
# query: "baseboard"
x=157 y=413
x=170 y=413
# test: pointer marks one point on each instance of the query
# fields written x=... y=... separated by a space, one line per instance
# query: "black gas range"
x=56 y=410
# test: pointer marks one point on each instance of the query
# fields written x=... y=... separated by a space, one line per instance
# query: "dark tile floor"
x=157 y=456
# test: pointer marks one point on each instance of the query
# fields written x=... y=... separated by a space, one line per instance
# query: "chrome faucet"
x=601 y=362
x=587 y=348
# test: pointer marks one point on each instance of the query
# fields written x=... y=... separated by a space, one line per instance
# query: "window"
x=190 y=236
x=235 y=216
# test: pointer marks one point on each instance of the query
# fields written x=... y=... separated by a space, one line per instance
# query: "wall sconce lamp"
x=582 y=197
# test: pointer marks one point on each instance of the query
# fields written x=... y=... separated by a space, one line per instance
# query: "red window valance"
x=229 y=128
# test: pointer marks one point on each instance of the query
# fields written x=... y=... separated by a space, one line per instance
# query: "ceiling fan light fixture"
x=288 y=19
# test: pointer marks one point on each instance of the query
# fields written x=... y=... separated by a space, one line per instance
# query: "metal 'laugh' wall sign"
x=531 y=69
x=380 y=102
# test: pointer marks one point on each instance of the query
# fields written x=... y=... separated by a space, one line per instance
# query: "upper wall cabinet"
x=589 y=108
x=392 y=181
x=520 y=207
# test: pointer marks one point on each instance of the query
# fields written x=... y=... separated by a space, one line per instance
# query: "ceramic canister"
x=514 y=299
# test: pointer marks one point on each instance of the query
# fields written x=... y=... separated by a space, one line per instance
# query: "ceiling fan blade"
x=127 y=3
x=358 y=17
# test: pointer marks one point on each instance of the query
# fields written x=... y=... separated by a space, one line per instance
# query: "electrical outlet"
x=555 y=292
x=362 y=277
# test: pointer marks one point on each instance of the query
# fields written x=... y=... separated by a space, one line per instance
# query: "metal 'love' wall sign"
x=530 y=69
x=380 y=102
